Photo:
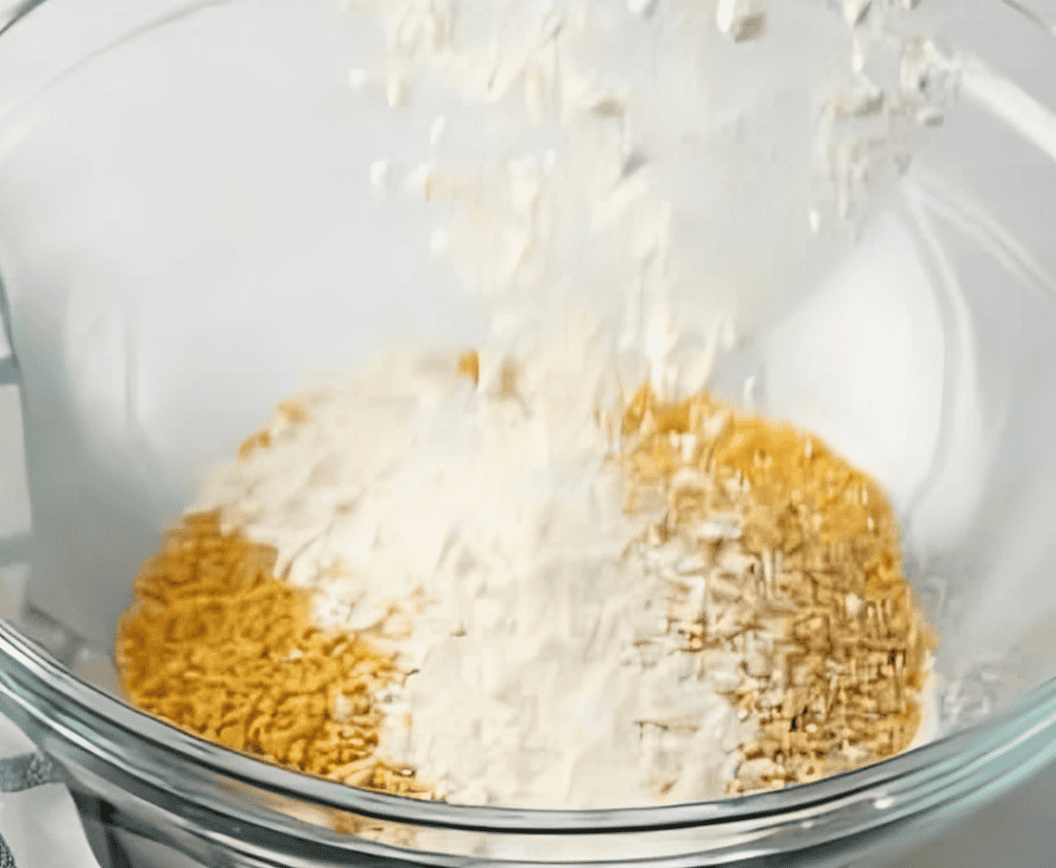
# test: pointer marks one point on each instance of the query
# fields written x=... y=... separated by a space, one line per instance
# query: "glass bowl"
x=187 y=229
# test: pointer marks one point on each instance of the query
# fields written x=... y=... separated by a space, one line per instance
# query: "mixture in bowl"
x=515 y=583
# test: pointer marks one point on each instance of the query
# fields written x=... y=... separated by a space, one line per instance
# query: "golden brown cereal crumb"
x=837 y=688
x=469 y=366
x=293 y=412
x=258 y=440
x=218 y=646
x=288 y=413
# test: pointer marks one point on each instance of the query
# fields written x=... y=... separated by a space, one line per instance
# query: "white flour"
x=677 y=166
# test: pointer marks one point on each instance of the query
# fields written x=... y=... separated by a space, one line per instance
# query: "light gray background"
x=1019 y=830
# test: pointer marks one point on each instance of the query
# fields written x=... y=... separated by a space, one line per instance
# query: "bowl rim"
x=37 y=682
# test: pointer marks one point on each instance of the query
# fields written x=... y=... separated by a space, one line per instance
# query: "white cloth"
x=39 y=824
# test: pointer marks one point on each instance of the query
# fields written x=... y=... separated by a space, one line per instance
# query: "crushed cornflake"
x=809 y=589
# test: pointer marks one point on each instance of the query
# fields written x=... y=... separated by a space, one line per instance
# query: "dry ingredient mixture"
x=676 y=601
x=553 y=571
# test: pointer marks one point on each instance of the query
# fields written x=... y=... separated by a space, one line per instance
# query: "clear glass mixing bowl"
x=186 y=229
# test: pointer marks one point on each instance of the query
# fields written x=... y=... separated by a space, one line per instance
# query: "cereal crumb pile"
x=219 y=646
x=836 y=652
